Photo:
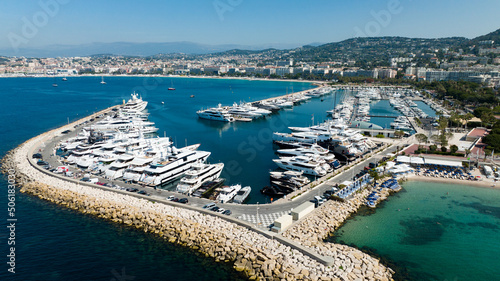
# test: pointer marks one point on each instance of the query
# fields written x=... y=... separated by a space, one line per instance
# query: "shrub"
x=444 y=149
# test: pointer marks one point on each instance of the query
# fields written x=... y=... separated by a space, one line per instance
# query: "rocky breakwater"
x=255 y=255
x=352 y=264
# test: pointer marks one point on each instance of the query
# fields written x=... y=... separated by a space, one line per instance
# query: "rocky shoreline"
x=258 y=257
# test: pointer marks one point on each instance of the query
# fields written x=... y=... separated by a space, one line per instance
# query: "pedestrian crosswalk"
x=264 y=220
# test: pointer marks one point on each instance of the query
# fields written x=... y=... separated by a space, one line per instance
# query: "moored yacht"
x=172 y=167
x=216 y=113
x=135 y=103
x=313 y=149
x=197 y=175
x=306 y=164
x=228 y=192
x=242 y=195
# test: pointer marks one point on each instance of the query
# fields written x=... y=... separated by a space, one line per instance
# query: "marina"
x=243 y=212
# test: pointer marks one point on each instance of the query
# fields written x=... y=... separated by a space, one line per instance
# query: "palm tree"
x=421 y=138
x=375 y=175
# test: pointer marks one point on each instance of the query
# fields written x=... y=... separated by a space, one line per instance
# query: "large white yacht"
x=246 y=111
x=115 y=170
x=197 y=175
x=306 y=164
x=135 y=103
x=216 y=113
x=136 y=168
x=172 y=167
x=228 y=192
x=304 y=137
x=313 y=149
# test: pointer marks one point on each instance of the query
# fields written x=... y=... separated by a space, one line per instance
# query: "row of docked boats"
x=250 y=111
x=332 y=134
x=122 y=146
x=313 y=151
x=407 y=107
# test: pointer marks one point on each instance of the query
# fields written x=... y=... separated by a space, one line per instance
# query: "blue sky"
x=239 y=21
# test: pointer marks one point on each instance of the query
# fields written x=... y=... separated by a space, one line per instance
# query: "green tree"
x=444 y=149
x=432 y=147
x=453 y=148
x=399 y=134
x=421 y=138
x=487 y=118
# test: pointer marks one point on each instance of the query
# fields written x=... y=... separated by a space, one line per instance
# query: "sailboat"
x=65 y=79
x=102 y=80
x=172 y=87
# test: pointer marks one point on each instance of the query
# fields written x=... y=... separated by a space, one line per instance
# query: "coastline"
x=319 y=83
x=213 y=236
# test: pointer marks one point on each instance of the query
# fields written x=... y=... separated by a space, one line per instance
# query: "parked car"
x=183 y=200
x=132 y=189
x=42 y=163
x=37 y=156
x=215 y=209
x=170 y=198
x=209 y=205
x=227 y=212
x=143 y=192
x=220 y=210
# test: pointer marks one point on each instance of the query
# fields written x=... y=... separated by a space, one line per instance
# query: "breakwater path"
x=259 y=255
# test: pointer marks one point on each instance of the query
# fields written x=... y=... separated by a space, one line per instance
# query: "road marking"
x=265 y=220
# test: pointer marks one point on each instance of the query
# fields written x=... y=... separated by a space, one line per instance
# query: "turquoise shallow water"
x=435 y=231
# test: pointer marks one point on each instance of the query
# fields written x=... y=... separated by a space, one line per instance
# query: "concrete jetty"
x=293 y=256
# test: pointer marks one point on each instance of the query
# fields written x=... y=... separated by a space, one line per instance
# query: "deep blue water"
x=53 y=243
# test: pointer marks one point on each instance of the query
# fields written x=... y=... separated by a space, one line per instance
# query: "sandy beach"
x=479 y=183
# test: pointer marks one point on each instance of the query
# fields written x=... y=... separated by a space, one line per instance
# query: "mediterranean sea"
x=54 y=243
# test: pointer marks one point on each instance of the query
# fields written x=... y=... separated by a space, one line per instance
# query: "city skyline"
x=279 y=24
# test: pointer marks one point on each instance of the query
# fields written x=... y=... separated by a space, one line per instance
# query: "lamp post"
x=257 y=213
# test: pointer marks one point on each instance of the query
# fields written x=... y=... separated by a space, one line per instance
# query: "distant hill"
x=373 y=48
x=366 y=49
x=494 y=36
x=133 y=49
